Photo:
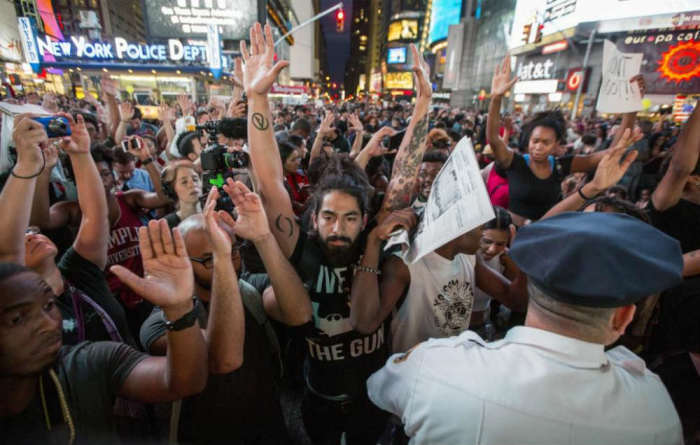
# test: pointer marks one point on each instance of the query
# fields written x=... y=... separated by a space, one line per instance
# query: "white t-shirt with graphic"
x=438 y=302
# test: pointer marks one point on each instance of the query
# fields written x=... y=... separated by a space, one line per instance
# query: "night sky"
x=338 y=44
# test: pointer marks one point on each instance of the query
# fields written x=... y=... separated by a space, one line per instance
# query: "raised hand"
x=327 y=124
x=376 y=146
x=109 y=85
x=259 y=73
x=252 y=222
x=355 y=123
x=79 y=140
x=168 y=280
x=126 y=111
x=51 y=155
x=166 y=113
x=613 y=165
x=186 y=106
x=219 y=226
x=29 y=138
x=501 y=82
x=236 y=109
x=641 y=82
x=421 y=70
x=237 y=76
x=141 y=154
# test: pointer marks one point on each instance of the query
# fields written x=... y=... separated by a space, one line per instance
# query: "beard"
x=338 y=256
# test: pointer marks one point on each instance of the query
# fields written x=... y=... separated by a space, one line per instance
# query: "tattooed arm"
x=408 y=159
x=258 y=76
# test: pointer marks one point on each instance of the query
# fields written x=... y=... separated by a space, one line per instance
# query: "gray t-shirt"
x=91 y=375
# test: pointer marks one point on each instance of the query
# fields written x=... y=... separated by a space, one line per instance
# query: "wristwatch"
x=186 y=320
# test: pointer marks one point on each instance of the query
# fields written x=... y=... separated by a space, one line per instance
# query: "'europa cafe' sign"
x=46 y=50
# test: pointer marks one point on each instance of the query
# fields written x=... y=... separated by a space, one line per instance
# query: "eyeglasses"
x=208 y=260
x=441 y=143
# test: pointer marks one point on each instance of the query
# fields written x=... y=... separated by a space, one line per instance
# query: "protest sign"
x=617 y=94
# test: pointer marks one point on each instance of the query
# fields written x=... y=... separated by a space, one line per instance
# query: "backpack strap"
x=78 y=296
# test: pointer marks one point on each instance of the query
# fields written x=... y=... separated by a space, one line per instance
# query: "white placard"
x=458 y=203
x=617 y=94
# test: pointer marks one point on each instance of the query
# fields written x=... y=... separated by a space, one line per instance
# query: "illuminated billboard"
x=189 y=18
x=404 y=29
x=396 y=55
x=443 y=14
x=402 y=80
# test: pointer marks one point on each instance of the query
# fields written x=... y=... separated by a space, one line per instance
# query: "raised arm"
x=40 y=205
x=169 y=284
x=610 y=170
x=109 y=88
x=93 y=234
x=166 y=115
x=126 y=112
x=369 y=308
x=356 y=126
x=291 y=303
x=29 y=138
x=226 y=325
x=407 y=162
x=323 y=130
x=500 y=85
x=682 y=164
x=259 y=73
x=375 y=147
x=512 y=294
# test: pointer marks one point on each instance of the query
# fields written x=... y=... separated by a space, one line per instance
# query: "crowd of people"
x=219 y=275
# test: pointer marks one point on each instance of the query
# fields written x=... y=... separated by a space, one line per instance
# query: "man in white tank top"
x=439 y=293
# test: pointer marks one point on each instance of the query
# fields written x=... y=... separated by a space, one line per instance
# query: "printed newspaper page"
x=458 y=203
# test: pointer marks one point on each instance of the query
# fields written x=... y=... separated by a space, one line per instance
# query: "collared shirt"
x=532 y=387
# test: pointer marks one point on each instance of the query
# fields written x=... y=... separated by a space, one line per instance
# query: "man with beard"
x=339 y=359
x=240 y=404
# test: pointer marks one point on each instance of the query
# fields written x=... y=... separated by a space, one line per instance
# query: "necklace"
x=62 y=401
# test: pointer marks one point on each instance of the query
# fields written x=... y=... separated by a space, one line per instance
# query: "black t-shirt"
x=91 y=374
x=340 y=358
x=681 y=221
x=241 y=407
x=531 y=196
x=86 y=277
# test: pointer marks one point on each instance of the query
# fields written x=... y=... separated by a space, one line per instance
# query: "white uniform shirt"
x=438 y=301
x=532 y=387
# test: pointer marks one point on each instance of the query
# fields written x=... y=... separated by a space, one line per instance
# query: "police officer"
x=550 y=381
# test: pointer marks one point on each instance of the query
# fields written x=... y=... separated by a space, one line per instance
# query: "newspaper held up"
x=458 y=203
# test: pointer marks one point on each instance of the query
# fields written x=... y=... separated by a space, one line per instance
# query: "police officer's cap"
x=597 y=259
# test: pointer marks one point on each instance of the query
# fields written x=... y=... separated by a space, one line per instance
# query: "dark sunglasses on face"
x=441 y=143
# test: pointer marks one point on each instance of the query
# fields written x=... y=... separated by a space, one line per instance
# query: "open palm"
x=259 y=73
x=251 y=222
x=501 y=82
x=168 y=280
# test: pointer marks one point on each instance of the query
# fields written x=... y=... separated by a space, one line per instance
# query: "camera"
x=56 y=126
x=217 y=163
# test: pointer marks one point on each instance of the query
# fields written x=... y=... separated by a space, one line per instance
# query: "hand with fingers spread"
x=355 y=123
x=126 y=111
x=166 y=114
x=327 y=124
x=79 y=140
x=259 y=73
x=219 y=225
x=168 y=280
x=501 y=82
x=399 y=219
x=251 y=223
x=615 y=162
x=186 y=105
x=421 y=70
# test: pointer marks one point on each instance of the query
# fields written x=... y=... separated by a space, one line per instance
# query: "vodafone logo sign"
x=575 y=78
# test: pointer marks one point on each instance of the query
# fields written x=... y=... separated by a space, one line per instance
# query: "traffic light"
x=526 y=33
x=538 y=33
x=340 y=20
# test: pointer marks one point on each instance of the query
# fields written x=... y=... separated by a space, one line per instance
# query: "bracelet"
x=146 y=161
x=362 y=268
x=187 y=320
x=584 y=197
x=43 y=165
